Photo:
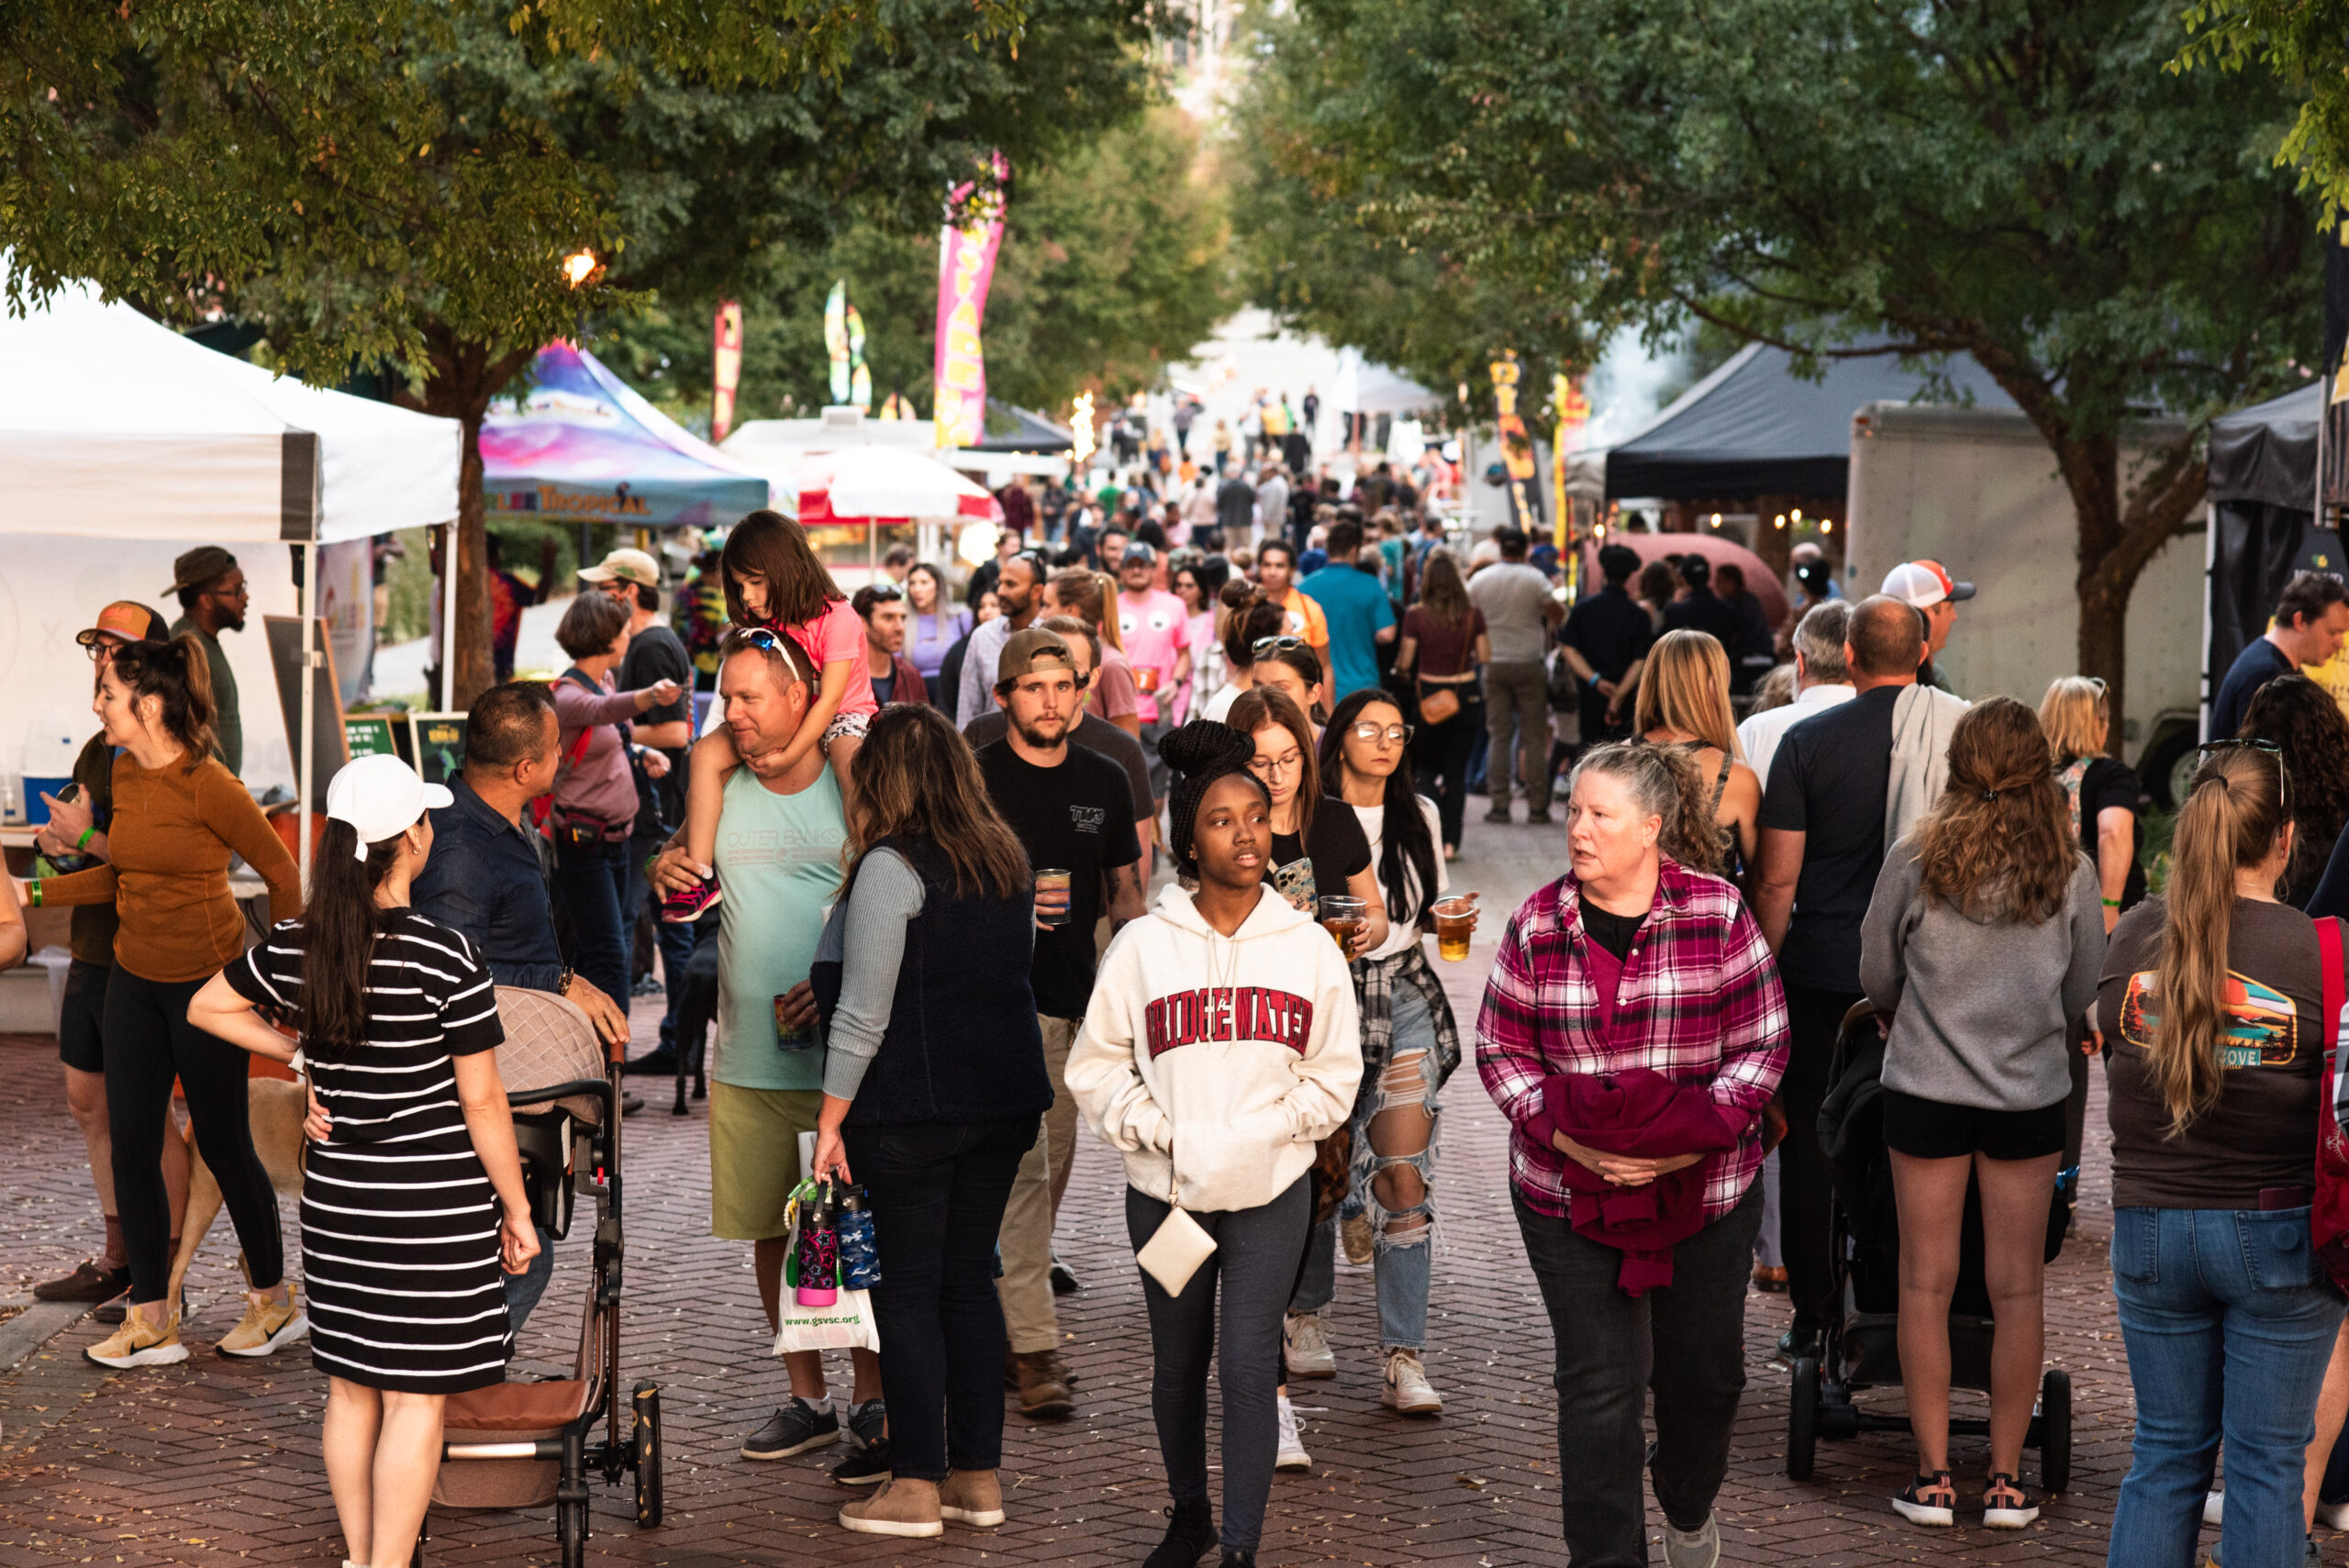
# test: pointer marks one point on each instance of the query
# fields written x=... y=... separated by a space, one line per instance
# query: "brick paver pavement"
x=215 y=1460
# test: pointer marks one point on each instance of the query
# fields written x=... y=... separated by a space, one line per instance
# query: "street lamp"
x=578 y=267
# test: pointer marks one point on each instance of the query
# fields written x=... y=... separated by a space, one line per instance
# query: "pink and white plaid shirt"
x=1698 y=1002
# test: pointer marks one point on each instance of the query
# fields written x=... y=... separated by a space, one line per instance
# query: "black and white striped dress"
x=399 y=1222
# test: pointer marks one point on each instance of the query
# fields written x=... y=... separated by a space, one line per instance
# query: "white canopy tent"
x=125 y=442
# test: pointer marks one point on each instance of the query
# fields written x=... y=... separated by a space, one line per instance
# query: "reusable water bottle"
x=819 y=1252
x=860 y=1258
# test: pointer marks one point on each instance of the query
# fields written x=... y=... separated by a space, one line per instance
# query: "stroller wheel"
x=2055 y=1431
x=570 y=1530
x=1802 y=1419
x=645 y=1456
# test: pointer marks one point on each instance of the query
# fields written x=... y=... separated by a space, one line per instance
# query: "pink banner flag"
x=966 y=253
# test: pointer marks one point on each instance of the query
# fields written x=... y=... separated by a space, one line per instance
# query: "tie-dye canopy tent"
x=579 y=446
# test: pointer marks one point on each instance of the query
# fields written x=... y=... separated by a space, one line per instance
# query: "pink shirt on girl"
x=838 y=633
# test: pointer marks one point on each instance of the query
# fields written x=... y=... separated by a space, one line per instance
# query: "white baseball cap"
x=627 y=566
x=381 y=797
x=1925 y=584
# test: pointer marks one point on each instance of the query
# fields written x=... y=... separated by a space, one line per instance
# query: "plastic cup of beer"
x=1146 y=677
x=1453 y=919
x=1049 y=880
x=1343 y=917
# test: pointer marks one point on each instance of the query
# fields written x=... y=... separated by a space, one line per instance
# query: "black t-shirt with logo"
x=1077 y=817
x=1320 y=861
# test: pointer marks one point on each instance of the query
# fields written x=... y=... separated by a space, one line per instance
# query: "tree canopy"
x=395 y=182
x=2020 y=180
x=1112 y=266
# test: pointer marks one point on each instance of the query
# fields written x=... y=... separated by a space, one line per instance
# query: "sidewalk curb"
x=36 y=1325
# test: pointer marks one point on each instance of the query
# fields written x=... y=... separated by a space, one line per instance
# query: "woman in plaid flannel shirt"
x=1632 y=961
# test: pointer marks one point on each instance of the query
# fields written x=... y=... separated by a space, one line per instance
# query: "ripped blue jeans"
x=1395 y=1126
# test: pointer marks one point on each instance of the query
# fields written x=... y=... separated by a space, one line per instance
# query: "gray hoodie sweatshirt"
x=1980 y=1008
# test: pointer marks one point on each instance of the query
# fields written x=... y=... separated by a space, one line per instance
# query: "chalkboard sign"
x=372 y=735
x=439 y=746
x=332 y=749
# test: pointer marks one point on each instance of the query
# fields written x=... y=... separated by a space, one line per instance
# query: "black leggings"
x=150 y=1041
x=1255 y=1262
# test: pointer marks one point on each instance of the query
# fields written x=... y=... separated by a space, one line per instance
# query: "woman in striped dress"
x=415 y=1198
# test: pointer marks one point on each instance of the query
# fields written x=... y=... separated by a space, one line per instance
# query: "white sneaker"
x=2332 y=1516
x=2214 y=1505
x=1407 y=1391
x=1290 y=1452
x=1698 y=1547
x=1305 y=1350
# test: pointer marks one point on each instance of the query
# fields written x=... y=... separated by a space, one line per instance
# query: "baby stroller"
x=517 y=1445
x=1860 y=1348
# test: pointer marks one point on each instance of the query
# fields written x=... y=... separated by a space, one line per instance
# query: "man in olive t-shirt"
x=211 y=589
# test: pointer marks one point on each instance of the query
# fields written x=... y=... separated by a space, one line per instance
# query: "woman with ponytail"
x=414 y=1199
x=1117 y=697
x=1981 y=946
x=180 y=817
x=2211 y=1004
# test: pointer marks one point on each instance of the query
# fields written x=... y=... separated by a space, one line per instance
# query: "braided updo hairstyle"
x=1199 y=753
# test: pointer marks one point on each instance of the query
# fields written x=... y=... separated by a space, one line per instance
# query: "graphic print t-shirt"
x=1322 y=859
x=2262 y=1132
x=1154 y=630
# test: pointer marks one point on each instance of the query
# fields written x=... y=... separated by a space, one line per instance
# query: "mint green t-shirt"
x=779 y=867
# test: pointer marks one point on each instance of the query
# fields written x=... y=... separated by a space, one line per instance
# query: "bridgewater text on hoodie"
x=1215 y=1062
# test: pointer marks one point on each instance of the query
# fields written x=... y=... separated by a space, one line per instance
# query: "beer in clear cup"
x=1343 y=917
x=1454 y=917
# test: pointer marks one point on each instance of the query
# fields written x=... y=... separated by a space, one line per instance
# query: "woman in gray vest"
x=934 y=1085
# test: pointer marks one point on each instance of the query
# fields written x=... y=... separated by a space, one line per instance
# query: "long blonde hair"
x=1686 y=687
x=2232 y=818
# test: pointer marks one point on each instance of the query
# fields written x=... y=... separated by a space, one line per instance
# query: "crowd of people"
x=920 y=839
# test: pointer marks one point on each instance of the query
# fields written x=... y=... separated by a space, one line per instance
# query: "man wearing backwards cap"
x=1927 y=587
x=212 y=595
x=1072 y=809
x=75 y=837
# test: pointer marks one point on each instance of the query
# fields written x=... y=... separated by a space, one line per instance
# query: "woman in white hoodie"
x=1221 y=1042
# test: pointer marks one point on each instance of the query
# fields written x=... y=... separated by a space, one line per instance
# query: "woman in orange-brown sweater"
x=178 y=815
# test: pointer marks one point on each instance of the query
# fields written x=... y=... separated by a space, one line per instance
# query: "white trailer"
x=1976 y=490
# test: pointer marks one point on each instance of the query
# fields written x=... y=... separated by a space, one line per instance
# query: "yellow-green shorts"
x=755 y=1157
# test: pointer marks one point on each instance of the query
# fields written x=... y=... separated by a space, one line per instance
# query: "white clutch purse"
x=1175 y=1251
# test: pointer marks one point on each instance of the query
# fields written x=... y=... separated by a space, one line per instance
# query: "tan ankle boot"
x=972 y=1497
x=902 y=1507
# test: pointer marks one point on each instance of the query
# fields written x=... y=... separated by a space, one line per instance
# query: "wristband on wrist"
x=2112 y=903
x=32 y=890
x=83 y=842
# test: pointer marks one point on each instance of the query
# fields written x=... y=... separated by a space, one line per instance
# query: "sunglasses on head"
x=2283 y=773
x=1265 y=645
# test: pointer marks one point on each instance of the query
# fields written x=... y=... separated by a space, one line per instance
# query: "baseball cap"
x=1138 y=554
x=1925 y=584
x=1023 y=650
x=627 y=566
x=126 y=619
x=381 y=797
x=204 y=563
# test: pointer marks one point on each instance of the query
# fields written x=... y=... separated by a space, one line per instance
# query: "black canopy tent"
x=2262 y=490
x=1754 y=428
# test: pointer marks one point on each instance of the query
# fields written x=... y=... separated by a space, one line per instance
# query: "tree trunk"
x=464 y=378
x=2118 y=538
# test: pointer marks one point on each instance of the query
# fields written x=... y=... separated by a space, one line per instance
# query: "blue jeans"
x=2229 y=1322
x=592 y=882
x=523 y=1290
x=1404 y=1264
x=675 y=939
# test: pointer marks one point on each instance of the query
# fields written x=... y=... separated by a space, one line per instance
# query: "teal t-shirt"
x=1356 y=608
x=779 y=866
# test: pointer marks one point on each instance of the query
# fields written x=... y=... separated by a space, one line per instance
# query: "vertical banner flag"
x=836 y=339
x=1516 y=442
x=725 y=367
x=860 y=378
x=966 y=253
x=1572 y=409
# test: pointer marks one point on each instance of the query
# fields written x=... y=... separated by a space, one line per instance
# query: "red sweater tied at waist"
x=1642 y=1115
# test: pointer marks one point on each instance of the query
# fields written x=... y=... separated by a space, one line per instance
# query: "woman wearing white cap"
x=415 y=1198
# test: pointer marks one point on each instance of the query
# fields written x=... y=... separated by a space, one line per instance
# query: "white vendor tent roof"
x=114 y=426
